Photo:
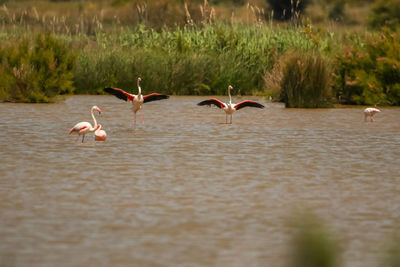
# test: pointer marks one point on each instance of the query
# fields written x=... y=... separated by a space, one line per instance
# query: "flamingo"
x=137 y=100
x=83 y=128
x=99 y=134
x=370 y=112
x=230 y=108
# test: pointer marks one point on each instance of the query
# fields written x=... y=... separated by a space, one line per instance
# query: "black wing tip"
x=154 y=97
x=250 y=104
x=110 y=90
x=116 y=93
x=205 y=103
x=210 y=102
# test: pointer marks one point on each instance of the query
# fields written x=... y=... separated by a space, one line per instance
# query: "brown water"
x=186 y=189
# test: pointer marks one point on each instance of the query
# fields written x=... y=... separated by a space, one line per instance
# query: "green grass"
x=189 y=60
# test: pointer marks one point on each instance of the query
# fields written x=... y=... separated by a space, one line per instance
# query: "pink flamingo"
x=230 y=108
x=370 y=112
x=83 y=128
x=99 y=134
x=137 y=100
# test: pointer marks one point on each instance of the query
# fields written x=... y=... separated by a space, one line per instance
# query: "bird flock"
x=83 y=128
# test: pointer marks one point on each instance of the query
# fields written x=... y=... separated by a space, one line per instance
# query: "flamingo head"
x=139 y=79
x=97 y=108
x=230 y=87
x=98 y=127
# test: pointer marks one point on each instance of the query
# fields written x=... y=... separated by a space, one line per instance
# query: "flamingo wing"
x=248 y=103
x=154 y=97
x=213 y=101
x=121 y=94
x=80 y=127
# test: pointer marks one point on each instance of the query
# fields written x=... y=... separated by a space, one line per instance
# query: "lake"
x=184 y=188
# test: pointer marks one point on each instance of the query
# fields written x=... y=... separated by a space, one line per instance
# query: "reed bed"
x=197 y=54
x=186 y=60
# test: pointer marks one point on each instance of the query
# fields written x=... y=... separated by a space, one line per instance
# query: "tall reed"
x=306 y=81
x=188 y=60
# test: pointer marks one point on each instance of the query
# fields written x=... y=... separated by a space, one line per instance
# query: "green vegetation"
x=370 y=73
x=313 y=245
x=287 y=9
x=194 y=48
x=306 y=82
x=36 y=70
x=189 y=60
x=385 y=14
x=391 y=255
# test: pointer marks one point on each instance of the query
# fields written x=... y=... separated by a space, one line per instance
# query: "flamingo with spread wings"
x=230 y=108
x=137 y=100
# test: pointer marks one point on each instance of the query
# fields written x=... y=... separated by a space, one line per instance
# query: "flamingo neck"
x=139 y=88
x=98 y=129
x=94 y=121
x=230 y=98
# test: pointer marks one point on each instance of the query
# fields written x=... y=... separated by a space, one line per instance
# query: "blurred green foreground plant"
x=312 y=245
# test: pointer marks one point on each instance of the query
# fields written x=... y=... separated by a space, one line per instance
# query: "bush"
x=337 y=12
x=370 y=75
x=385 y=13
x=36 y=70
x=306 y=81
x=287 y=9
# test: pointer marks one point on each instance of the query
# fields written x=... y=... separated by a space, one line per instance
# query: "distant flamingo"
x=137 y=100
x=99 y=134
x=230 y=108
x=83 y=128
x=370 y=112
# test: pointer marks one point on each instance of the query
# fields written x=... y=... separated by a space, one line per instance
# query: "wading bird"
x=83 y=128
x=370 y=112
x=230 y=108
x=137 y=100
x=99 y=134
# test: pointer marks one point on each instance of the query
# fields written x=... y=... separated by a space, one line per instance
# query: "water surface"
x=186 y=189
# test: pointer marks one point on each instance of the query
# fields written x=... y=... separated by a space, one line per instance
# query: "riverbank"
x=41 y=58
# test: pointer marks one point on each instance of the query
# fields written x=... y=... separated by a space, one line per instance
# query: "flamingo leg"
x=231 y=118
x=226 y=119
x=134 y=121
x=83 y=138
x=141 y=116
x=372 y=119
x=77 y=138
